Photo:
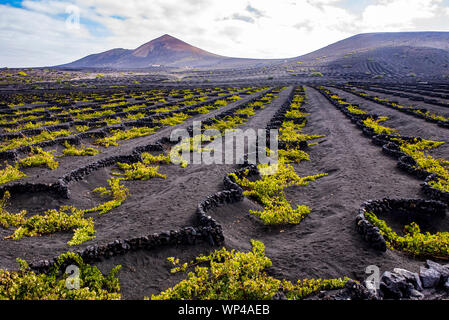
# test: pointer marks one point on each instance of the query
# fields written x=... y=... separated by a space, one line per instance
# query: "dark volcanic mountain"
x=165 y=51
x=370 y=41
x=395 y=54
x=389 y=55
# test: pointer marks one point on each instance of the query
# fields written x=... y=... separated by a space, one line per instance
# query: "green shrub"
x=148 y=158
x=26 y=141
x=374 y=124
x=92 y=115
x=175 y=119
x=125 y=135
x=27 y=285
x=221 y=103
x=233 y=275
x=205 y=109
x=414 y=242
x=227 y=123
x=140 y=171
x=52 y=221
x=249 y=111
x=79 y=152
x=39 y=158
x=269 y=192
x=118 y=192
x=10 y=173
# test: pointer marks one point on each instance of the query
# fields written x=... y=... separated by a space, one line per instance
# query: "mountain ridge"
x=396 y=52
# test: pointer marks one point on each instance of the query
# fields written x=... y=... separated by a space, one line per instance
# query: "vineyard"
x=93 y=178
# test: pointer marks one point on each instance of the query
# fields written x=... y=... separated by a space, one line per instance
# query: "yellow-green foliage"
x=431 y=115
x=148 y=158
x=205 y=109
x=83 y=151
x=137 y=116
x=140 y=171
x=112 y=121
x=414 y=242
x=295 y=113
x=39 y=158
x=26 y=141
x=293 y=155
x=187 y=145
x=165 y=109
x=427 y=114
x=95 y=114
x=18 y=119
x=355 y=110
x=27 y=285
x=351 y=108
x=113 y=104
x=234 y=98
x=227 y=123
x=52 y=221
x=125 y=135
x=269 y=192
x=417 y=150
x=256 y=104
x=176 y=118
x=30 y=125
x=66 y=218
x=234 y=275
x=12 y=105
x=135 y=107
x=221 y=103
x=118 y=192
x=10 y=173
x=249 y=111
x=374 y=124
x=82 y=128
x=18 y=113
x=293 y=132
x=130 y=117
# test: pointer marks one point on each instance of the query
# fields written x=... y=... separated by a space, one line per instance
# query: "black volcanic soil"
x=153 y=206
x=440 y=110
x=408 y=125
x=324 y=245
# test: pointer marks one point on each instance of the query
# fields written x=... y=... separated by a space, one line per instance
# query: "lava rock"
x=443 y=270
x=280 y=295
x=429 y=277
x=416 y=295
x=394 y=286
x=352 y=291
x=411 y=277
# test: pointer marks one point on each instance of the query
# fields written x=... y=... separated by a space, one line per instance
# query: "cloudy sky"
x=46 y=32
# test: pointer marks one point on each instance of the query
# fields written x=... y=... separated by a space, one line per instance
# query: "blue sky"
x=46 y=32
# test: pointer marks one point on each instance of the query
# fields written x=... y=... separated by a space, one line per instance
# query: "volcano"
x=166 y=51
x=401 y=53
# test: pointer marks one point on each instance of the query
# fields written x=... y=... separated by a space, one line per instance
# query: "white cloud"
x=31 y=38
x=36 y=34
x=399 y=14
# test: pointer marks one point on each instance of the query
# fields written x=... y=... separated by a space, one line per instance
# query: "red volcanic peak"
x=169 y=43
